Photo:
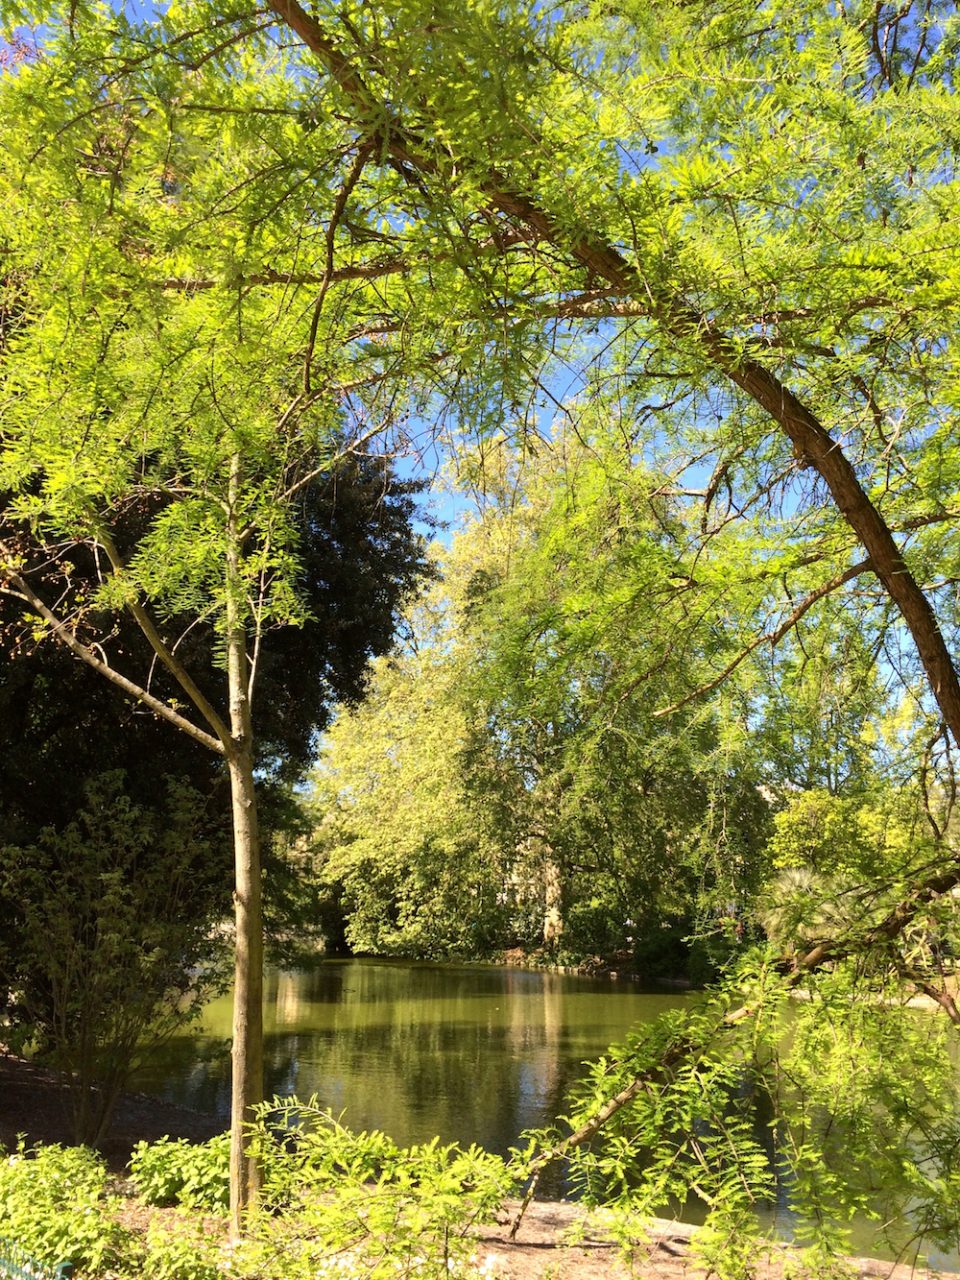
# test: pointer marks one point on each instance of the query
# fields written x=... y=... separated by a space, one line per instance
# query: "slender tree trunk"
x=247 y=1074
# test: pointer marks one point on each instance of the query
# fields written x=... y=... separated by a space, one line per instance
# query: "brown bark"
x=812 y=442
x=247 y=1052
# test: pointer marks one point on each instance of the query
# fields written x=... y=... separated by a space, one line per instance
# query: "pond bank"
x=612 y=968
x=34 y=1102
x=540 y=1252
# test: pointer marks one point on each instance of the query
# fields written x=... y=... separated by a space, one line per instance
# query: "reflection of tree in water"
x=192 y=1071
x=469 y=1054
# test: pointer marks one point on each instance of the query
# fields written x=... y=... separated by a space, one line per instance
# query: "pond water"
x=469 y=1053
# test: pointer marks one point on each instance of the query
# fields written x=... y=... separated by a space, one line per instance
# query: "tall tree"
x=62 y=731
x=690 y=170
x=746 y=211
x=162 y=431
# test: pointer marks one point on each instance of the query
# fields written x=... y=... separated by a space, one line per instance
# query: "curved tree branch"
x=812 y=443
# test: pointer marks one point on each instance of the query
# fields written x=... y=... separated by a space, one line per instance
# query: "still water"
x=469 y=1053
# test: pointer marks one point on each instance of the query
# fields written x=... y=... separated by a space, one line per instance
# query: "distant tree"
x=508 y=761
x=401 y=856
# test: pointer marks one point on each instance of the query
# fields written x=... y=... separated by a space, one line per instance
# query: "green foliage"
x=831 y=1106
x=174 y=1171
x=328 y=1193
x=505 y=781
x=840 y=863
x=115 y=946
x=694 y=216
x=390 y=1211
x=182 y=1248
x=397 y=847
x=54 y=1203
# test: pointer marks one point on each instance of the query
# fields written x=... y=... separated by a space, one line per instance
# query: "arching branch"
x=740 y=365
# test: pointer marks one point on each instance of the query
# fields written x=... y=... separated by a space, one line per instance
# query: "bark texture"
x=247 y=1053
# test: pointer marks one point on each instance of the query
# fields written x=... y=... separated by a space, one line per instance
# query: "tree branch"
x=795 y=969
x=340 y=204
x=773 y=637
x=65 y=636
x=166 y=655
x=812 y=442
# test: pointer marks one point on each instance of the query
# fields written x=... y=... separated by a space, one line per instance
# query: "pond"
x=469 y=1053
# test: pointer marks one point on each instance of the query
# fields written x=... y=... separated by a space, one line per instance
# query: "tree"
x=505 y=782
x=774 y=263
x=114 y=940
x=733 y=291
x=571 y=622
x=61 y=731
x=745 y=210
x=733 y=278
x=404 y=862
x=162 y=435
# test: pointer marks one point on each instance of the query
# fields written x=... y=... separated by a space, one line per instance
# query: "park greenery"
x=673 y=289
x=340 y=1204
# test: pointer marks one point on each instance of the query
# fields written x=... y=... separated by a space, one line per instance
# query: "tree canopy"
x=241 y=242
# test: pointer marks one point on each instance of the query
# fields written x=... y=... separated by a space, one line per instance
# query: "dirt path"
x=540 y=1253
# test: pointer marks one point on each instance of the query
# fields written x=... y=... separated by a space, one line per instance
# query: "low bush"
x=355 y=1204
x=335 y=1204
x=54 y=1204
x=174 y=1171
x=182 y=1249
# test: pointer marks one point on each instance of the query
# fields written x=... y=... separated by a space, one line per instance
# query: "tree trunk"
x=552 y=902
x=247 y=1074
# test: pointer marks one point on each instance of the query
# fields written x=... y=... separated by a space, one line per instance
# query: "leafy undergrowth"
x=336 y=1205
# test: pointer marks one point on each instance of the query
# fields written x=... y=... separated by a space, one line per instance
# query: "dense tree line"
x=505 y=783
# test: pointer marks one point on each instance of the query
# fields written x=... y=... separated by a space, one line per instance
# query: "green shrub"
x=341 y=1204
x=175 y=1171
x=54 y=1204
x=181 y=1250
x=335 y=1204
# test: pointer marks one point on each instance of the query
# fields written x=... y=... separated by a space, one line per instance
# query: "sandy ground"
x=540 y=1253
x=34 y=1103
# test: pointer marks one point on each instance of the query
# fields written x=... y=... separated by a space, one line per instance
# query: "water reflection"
x=468 y=1053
